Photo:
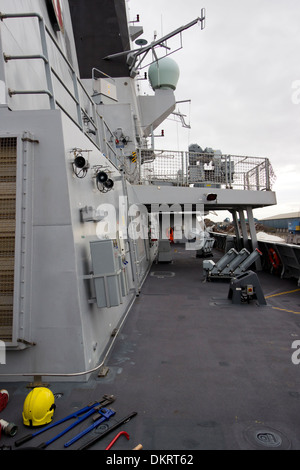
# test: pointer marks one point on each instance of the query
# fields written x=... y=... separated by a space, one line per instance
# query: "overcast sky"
x=242 y=75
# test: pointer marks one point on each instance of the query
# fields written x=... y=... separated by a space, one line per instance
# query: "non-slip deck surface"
x=202 y=373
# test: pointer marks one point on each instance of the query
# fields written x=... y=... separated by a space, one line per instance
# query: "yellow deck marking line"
x=282 y=293
x=285 y=310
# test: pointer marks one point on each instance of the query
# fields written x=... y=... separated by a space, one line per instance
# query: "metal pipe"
x=76 y=374
x=29 y=92
x=4 y=16
x=21 y=57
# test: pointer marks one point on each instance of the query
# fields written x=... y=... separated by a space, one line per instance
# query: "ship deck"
x=201 y=372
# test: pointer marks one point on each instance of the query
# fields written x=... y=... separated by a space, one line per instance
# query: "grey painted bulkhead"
x=56 y=327
x=21 y=36
x=68 y=332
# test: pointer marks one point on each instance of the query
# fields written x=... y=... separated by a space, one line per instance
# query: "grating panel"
x=206 y=169
x=8 y=164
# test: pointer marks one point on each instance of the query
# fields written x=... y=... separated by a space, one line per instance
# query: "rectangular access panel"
x=106 y=272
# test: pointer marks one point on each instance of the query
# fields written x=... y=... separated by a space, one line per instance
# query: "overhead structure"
x=135 y=57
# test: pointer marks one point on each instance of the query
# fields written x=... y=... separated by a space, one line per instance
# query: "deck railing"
x=63 y=89
x=61 y=85
x=205 y=169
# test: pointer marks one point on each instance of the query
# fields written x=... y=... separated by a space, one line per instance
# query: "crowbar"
x=116 y=438
x=112 y=428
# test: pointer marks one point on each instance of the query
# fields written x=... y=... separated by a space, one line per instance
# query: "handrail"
x=179 y=168
x=82 y=119
x=230 y=170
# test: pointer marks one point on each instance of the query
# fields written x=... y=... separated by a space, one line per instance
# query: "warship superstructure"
x=73 y=259
x=88 y=203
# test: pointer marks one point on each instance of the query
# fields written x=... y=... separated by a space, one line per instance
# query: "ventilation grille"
x=8 y=165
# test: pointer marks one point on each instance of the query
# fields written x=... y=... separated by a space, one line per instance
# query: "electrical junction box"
x=250 y=290
x=107 y=273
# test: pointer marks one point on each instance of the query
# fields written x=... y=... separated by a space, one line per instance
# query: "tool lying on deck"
x=116 y=438
x=106 y=414
x=85 y=412
x=138 y=447
x=112 y=428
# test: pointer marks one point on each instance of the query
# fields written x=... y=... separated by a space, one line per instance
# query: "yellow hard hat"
x=38 y=407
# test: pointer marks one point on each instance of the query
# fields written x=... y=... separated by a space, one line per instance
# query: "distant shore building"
x=281 y=221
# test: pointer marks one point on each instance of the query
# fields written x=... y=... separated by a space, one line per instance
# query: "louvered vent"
x=8 y=164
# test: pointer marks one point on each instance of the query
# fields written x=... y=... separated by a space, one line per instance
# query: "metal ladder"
x=92 y=124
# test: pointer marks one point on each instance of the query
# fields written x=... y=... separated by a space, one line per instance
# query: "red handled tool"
x=112 y=428
x=116 y=438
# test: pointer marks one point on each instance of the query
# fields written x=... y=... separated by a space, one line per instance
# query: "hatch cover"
x=162 y=274
x=266 y=437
